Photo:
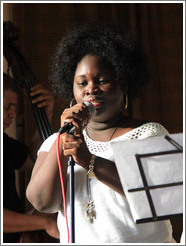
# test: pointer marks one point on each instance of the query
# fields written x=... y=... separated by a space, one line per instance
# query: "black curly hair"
x=105 y=40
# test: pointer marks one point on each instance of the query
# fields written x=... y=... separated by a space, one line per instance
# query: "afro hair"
x=123 y=54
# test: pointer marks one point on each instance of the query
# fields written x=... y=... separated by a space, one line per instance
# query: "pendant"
x=91 y=174
x=90 y=211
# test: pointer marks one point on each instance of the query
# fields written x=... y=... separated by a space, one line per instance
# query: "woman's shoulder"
x=152 y=129
x=144 y=130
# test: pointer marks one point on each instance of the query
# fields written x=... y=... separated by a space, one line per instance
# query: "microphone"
x=69 y=127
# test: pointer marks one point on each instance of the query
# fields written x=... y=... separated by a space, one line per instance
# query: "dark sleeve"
x=15 y=150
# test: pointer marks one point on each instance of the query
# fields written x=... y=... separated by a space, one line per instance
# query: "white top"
x=113 y=223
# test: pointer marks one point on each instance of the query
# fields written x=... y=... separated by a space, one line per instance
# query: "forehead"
x=91 y=62
x=9 y=96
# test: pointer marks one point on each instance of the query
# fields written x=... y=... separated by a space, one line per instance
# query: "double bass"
x=22 y=75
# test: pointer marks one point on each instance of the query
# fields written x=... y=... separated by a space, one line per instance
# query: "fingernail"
x=67 y=121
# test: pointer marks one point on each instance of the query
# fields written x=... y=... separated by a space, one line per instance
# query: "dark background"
x=158 y=27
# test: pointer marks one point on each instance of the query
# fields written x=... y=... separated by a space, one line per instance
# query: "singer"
x=95 y=63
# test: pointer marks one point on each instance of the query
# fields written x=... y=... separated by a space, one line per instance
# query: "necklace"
x=110 y=138
x=90 y=206
x=115 y=129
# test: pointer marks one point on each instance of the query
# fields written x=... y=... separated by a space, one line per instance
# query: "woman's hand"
x=77 y=148
x=75 y=145
x=78 y=115
x=43 y=98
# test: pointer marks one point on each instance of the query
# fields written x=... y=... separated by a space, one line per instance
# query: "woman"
x=97 y=64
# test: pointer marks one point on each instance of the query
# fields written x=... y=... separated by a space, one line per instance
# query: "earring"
x=72 y=102
x=126 y=101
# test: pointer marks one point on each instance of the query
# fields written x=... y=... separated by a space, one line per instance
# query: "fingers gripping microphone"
x=69 y=127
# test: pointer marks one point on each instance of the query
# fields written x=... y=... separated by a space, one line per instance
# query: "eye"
x=103 y=81
x=82 y=83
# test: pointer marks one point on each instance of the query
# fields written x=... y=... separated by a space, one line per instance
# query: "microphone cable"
x=62 y=184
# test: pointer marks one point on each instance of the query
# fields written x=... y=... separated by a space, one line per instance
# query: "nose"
x=92 y=88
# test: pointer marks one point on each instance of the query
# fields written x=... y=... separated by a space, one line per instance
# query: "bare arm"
x=16 y=222
x=44 y=188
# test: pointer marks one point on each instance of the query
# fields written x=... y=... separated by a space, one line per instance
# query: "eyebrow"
x=81 y=76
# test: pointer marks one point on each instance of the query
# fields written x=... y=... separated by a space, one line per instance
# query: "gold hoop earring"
x=126 y=101
x=72 y=102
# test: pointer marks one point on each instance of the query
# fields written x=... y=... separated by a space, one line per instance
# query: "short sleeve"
x=47 y=144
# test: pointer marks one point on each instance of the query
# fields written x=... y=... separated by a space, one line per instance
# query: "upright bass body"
x=22 y=74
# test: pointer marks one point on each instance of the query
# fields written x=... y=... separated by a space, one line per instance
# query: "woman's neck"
x=104 y=125
x=105 y=131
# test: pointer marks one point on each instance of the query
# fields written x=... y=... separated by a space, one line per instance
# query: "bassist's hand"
x=43 y=98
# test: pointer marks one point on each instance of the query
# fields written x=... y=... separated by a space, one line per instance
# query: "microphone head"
x=90 y=107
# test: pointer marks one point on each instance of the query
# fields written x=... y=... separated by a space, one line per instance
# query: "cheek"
x=78 y=95
x=112 y=104
x=115 y=96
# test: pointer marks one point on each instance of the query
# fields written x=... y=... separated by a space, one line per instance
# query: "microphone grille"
x=90 y=107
